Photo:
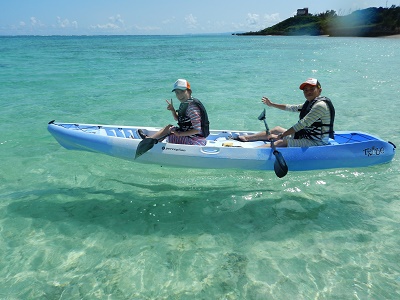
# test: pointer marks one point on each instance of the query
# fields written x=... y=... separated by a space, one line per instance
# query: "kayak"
x=348 y=149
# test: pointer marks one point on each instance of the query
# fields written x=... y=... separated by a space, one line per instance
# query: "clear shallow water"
x=79 y=225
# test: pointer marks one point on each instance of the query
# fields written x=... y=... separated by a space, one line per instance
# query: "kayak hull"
x=349 y=149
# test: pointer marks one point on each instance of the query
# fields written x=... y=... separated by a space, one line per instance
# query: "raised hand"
x=266 y=101
x=170 y=105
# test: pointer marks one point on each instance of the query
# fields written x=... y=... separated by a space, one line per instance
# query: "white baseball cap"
x=181 y=84
x=310 y=81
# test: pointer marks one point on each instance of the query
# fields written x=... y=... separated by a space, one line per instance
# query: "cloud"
x=147 y=28
x=115 y=23
x=191 y=21
x=117 y=20
x=256 y=21
x=66 y=23
x=252 y=19
x=35 y=23
x=273 y=18
x=105 y=26
x=168 y=21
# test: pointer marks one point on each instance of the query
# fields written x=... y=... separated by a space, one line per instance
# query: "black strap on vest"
x=315 y=129
x=184 y=122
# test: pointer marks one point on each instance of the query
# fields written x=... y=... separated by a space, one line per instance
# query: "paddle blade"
x=144 y=146
x=262 y=116
x=280 y=166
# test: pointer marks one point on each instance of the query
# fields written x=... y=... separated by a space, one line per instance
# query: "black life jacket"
x=314 y=132
x=184 y=122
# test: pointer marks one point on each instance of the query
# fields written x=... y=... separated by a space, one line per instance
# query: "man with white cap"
x=193 y=124
x=315 y=125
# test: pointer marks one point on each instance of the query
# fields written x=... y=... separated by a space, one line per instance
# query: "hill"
x=370 y=22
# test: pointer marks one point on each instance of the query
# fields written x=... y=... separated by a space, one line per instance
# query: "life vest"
x=184 y=122
x=314 y=131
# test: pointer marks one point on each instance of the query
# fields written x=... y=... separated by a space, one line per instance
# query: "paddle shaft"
x=280 y=166
x=266 y=127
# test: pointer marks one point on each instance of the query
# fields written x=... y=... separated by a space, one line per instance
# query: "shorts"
x=303 y=142
x=188 y=140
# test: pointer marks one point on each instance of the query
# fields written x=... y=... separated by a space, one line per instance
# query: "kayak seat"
x=222 y=135
x=225 y=135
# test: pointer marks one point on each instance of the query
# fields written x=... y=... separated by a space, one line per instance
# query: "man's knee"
x=281 y=143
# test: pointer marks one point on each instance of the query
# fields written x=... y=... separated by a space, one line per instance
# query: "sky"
x=159 y=17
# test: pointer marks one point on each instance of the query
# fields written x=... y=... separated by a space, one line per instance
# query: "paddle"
x=146 y=144
x=280 y=166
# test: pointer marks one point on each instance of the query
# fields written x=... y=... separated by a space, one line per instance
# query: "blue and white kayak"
x=349 y=149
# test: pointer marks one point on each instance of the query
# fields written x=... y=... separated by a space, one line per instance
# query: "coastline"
x=395 y=36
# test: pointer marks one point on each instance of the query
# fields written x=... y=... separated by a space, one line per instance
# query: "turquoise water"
x=77 y=225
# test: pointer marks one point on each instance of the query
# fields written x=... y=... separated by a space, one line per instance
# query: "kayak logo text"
x=173 y=149
x=373 y=151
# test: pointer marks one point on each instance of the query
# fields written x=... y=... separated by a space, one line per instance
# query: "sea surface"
x=79 y=225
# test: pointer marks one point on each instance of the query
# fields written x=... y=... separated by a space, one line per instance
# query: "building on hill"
x=302 y=11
